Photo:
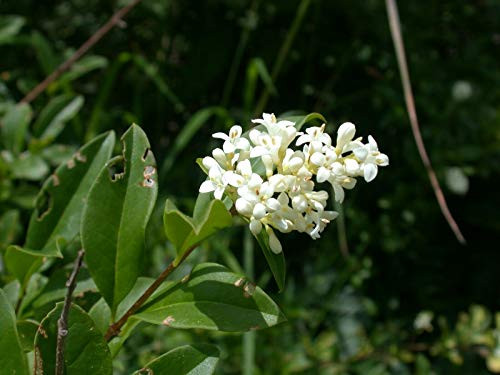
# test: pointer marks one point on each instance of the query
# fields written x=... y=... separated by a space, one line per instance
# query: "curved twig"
x=115 y=19
x=62 y=323
x=394 y=24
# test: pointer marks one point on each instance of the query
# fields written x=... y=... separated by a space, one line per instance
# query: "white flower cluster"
x=283 y=195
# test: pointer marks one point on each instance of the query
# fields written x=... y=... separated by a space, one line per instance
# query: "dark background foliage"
x=347 y=314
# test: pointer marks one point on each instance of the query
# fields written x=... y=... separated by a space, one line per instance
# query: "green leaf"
x=57 y=154
x=27 y=331
x=10 y=227
x=56 y=289
x=10 y=27
x=276 y=262
x=12 y=359
x=115 y=218
x=86 y=351
x=62 y=111
x=49 y=112
x=44 y=52
x=29 y=167
x=194 y=124
x=60 y=202
x=101 y=315
x=185 y=232
x=14 y=125
x=83 y=66
x=212 y=297
x=300 y=121
x=22 y=262
x=257 y=68
x=200 y=359
x=59 y=207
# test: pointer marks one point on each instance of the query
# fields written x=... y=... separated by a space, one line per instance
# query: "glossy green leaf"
x=59 y=207
x=115 y=218
x=13 y=127
x=23 y=262
x=51 y=128
x=86 y=351
x=212 y=297
x=276 y=262
x=200 y=359
x=26 y=330
x=185 y=232
x=300 y=121
x=60 y=202
x=12 y=358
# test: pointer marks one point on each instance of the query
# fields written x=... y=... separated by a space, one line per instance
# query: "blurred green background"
x=389 y=292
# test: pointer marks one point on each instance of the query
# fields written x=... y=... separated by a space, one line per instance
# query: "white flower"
x=318 y=221
x=284 y=129
x=233 y=141
x=217 y=182
x=371 y=158
x=274 y=243
x=285 y=198
x=345 y=134
x=316 y=136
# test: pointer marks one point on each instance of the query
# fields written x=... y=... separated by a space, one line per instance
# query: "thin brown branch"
x=62 y=323
x=114 y=329
x=116 y=19
x=394 y=24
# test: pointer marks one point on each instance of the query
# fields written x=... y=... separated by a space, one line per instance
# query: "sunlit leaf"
x=115 y=218
x=212 y=297
x=199 y=359
x=185 y=232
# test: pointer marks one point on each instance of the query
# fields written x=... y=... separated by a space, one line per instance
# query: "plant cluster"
x=284 y=197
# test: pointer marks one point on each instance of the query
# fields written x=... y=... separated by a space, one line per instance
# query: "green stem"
x=283 y=52
x=248 y=337
x=341 y=231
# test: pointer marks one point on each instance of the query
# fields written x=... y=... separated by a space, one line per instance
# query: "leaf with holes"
x=85 y=352
x=12 y=358
x=59 y=205
x=184 y=232
x=212 y=297
x=115 y=218
x=200 y=359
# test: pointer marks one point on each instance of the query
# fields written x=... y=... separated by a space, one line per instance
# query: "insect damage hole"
x=116 y=171
x=43 y=204
x=146 y=153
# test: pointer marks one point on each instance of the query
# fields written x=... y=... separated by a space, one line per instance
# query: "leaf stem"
x=62 y=323
x=395 y=26
x=114 y=329
x=116 y=19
